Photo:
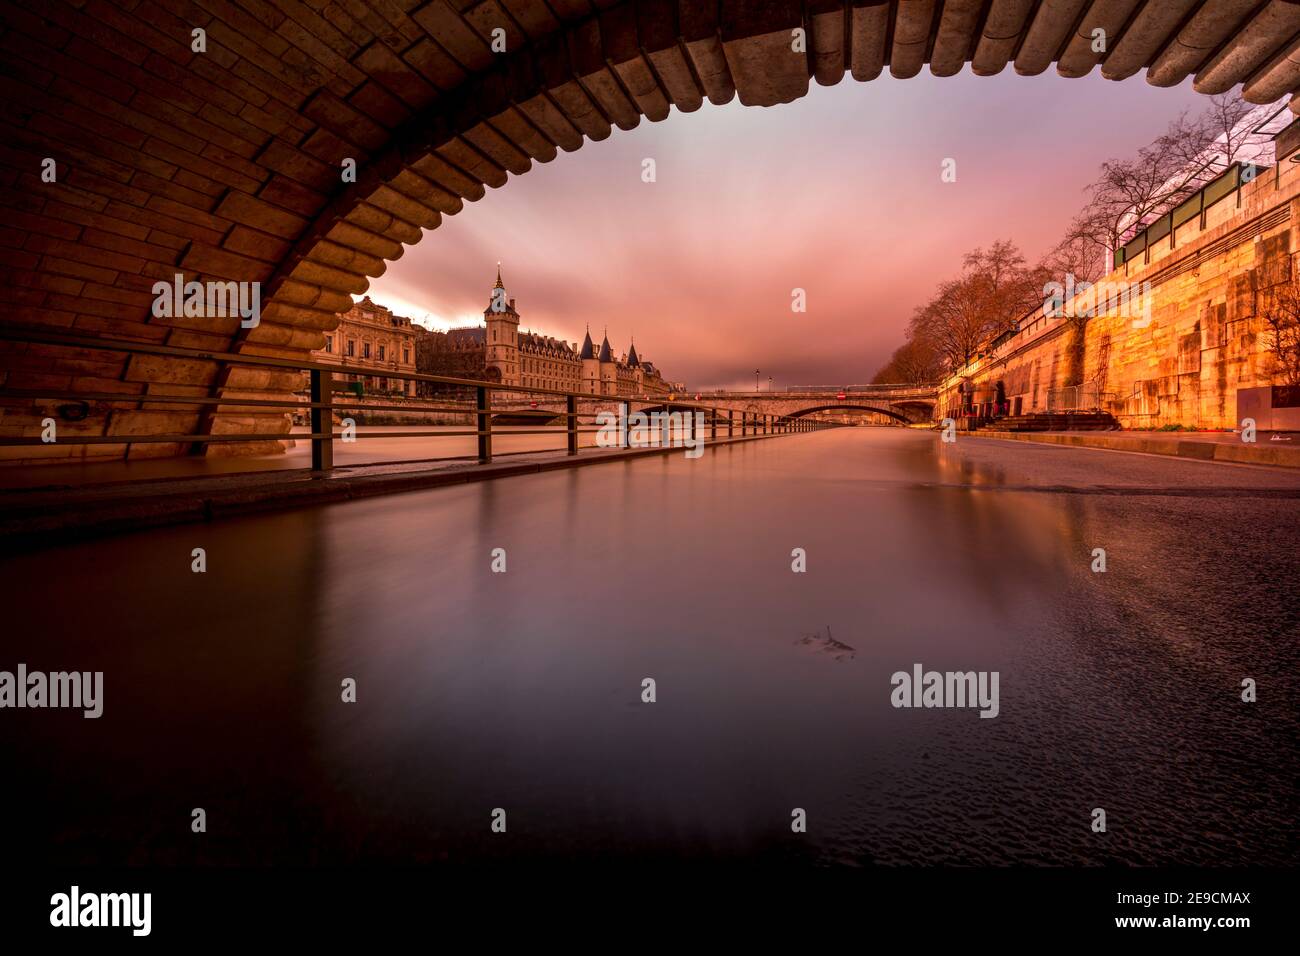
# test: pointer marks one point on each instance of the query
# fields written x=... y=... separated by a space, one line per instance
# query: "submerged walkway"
x=1203 y=446
x=114 y=497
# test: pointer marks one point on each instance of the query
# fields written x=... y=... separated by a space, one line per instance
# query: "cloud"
x=837 y=194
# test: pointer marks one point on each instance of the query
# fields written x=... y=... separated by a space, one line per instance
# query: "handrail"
x=323 y=401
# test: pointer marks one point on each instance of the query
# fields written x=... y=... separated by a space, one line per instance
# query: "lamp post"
x=756 y=380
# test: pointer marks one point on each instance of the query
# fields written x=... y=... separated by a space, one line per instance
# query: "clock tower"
x=502 y=334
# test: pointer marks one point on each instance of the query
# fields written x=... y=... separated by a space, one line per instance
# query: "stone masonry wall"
x=1205 y=337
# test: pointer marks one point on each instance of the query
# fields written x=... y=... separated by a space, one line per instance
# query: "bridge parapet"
x=912 y=404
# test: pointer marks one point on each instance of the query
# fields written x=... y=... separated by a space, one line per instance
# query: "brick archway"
x=226 y=164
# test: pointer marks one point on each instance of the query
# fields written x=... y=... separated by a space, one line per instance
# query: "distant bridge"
x=911 y=404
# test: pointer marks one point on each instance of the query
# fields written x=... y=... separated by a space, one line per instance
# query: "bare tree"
x=953 y=322
x=994 y=290
x=915 y=362
x=1075 y=256
x=1129 y=193
x=1226 y=139
x=1009 y=288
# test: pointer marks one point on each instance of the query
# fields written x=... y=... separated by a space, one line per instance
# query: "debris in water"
x=836 y=649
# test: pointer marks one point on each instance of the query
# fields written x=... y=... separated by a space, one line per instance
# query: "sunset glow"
x=838 y=194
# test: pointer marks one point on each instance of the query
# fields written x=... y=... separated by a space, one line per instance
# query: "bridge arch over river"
x=226 y=164
x=911 y=404
x=857 y=407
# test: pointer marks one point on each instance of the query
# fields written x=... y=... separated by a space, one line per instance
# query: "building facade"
x=498 y=351
x=372 y=337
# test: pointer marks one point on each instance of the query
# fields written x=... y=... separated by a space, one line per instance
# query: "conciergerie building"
x=498 y=351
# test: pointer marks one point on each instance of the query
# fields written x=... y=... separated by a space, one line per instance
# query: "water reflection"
x=522 y=690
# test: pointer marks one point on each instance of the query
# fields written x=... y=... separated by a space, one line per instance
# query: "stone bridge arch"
x=881 y=409
x=226 y=164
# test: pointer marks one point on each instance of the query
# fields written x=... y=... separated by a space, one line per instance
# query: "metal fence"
x=323 y=396
x=1078 y=398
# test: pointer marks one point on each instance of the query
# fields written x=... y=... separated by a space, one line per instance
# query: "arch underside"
x=840 y=406
x=226 y=164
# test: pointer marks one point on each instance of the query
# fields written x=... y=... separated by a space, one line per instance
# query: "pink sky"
x=838 y=194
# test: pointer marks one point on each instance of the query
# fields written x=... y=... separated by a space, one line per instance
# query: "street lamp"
x=756 y=380
x=769 y=383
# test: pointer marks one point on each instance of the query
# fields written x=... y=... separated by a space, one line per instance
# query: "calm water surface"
x=523 y=690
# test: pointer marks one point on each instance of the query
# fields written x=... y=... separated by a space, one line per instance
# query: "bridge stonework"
x=227 y=162
x=908 y=404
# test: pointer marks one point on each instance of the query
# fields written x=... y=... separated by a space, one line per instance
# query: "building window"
x=352 y=348
x=329 y=343
x=406 y=356
x=381 y=353
x=365 y=350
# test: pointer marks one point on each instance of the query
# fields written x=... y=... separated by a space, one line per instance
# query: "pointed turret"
x=502 y=321
x=590 y=366
x=632 y=360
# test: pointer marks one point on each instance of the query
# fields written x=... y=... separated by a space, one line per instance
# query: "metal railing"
x=1087 y=397
x=322 y=399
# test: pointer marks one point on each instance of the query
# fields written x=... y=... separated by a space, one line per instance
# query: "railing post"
x=571 y=421
x=322 y=420
x=484 y=418
x=731 y=421
x=713 y=424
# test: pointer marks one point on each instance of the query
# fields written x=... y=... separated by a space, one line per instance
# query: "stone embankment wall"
x=1205 y=337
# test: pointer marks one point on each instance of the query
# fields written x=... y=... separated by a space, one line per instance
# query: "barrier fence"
x=324 y=395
